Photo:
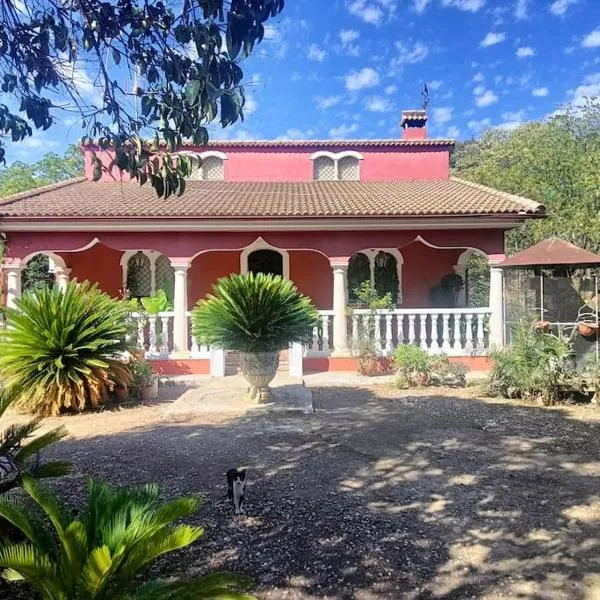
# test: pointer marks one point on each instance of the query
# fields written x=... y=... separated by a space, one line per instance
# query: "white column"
x=217 y=362
x=496 y=305
x=180 y=322
x=13 y=283
x=340 y=333
x=61 y=277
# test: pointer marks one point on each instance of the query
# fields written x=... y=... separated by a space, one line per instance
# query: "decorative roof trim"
x=338 y=155
x=325 y=143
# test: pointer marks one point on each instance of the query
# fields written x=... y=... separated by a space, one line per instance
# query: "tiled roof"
x=348 y=144
x=214 y=199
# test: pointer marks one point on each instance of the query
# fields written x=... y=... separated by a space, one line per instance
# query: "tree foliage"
x=183 y=56
x=554 y=162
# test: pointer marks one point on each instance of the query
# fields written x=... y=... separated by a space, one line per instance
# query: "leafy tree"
x=184 y=58
x=554 y=162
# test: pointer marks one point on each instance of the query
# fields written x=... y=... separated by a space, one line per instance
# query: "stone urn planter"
x=150 y=389
x=259 y=369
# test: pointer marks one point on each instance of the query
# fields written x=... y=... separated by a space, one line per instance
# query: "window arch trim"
x=151 y=255
x=336 y=158
x=261 y=244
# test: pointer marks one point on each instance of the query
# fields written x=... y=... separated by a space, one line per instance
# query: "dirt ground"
x=378 y=494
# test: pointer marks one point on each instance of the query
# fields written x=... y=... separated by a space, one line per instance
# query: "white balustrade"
x=454 y=331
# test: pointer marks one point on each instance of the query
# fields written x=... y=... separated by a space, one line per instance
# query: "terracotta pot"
x=587 y=329
x=542 y=326
x=150 y=391
x=259 y=369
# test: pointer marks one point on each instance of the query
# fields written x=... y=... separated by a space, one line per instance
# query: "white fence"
x=454 y=331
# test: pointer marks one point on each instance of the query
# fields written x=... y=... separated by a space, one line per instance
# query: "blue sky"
x=346 y=68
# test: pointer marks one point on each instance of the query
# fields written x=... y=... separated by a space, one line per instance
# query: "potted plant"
x=587 y=325
x=145 y=381
x=257 y=315
x=412 y=364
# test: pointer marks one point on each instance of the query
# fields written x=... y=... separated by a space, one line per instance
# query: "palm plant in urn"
x=257 y=315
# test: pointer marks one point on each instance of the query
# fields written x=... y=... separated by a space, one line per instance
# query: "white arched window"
x=260 y=256
x=382 y=267
x=208 y=166
x=343 y=166
x=145 y=272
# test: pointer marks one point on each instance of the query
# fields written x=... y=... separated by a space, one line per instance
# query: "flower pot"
x=587 y=329
x=150 y=390
x=259 y=369
x=543 y=326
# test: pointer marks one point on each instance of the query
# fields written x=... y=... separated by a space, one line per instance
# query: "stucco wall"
x=206 y=269
x=311 y=272
x=99 y=264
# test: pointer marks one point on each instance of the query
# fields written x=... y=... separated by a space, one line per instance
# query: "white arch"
x=421 y=239
x=371 y=253
x=206 y=154
x=338 y=155
x=152 y=256
x=260 y=244
x=56 y=261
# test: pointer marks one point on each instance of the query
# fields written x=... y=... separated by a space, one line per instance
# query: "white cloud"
x=488 y=97
x=479 y=89
x=343 y=130
x=325 y=102
x=391 y=89
x=465 y=5
x=539 y=92
x=76 y=75
x=521 y=9
x=297 y=134
x=479 y=125
x=592 y=40
x=420 y=5
x=442 y=114
x=276 y=45
x=478 y=77
x=35 y=142
x=369 y=13
x=560 y=7
x=347 y=36
x=525 y=52
x=436 y=84
x=453 y=132
x=250 y=105
x=378 y=104
x=316 y=53
x=589 y=88
x=365 y=78
x=491 y=39
x=409 y=54
x=512 y=120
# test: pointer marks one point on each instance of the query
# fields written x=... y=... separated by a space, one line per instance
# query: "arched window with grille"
x=343 y=166
x=348 y=168
x=324 y=169
x=208 y=166
x=164 y=276
x=139 y=275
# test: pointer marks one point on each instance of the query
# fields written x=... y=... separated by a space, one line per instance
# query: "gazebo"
x=556 y=282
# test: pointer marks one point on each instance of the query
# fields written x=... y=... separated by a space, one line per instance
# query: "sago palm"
x=61 y=351
x=101 y=555
x=19 y=458
x=254 y=313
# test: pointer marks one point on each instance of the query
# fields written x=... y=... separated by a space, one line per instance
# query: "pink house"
x=326 y=214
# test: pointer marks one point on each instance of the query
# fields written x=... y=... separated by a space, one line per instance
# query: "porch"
x=409 y=270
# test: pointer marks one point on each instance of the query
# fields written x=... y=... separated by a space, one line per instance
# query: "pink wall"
x=294 y=164
x=311 y=272
x=423 y=269
x=99 y=264
x=185 y=244
x=206 y=269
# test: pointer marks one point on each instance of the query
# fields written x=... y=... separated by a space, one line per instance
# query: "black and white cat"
x=236 y=485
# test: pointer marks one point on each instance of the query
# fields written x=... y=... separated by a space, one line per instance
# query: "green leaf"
x=192 y=90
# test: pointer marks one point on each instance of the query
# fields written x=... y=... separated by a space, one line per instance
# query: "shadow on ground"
x=380 y=497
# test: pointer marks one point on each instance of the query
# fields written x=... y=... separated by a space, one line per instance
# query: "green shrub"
x=254 y=313
x=444 y=372
x=536 y=364
x=100 y=555
x=410 y=360
x=19 y=457
x=142 y=376
x=61 y=351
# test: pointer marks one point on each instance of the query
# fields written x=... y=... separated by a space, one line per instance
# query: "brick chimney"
x=413 y=124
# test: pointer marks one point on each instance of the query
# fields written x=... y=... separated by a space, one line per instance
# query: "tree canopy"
x=162 y=71
x=554 y=162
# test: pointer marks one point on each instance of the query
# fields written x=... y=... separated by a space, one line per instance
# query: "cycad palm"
x=18 y=458
x=101 y=555
x=61 y=351
x=254 y=313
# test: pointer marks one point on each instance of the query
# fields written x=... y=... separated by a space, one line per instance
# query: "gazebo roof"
x=550 y=253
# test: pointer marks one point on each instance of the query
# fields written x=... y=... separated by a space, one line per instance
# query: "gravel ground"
x=379 y=494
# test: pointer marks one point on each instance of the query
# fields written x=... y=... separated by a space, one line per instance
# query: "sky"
x=345 y=69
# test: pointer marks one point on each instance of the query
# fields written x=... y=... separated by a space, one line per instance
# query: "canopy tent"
x=560 y=305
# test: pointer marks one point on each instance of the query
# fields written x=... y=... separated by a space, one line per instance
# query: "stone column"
x=61 y=276
x=180 y=305
x=496 y=304
x=340 y=329
x=13 y=283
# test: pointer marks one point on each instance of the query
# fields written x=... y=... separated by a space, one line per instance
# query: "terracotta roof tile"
x=347 y=144
x=214 y=199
